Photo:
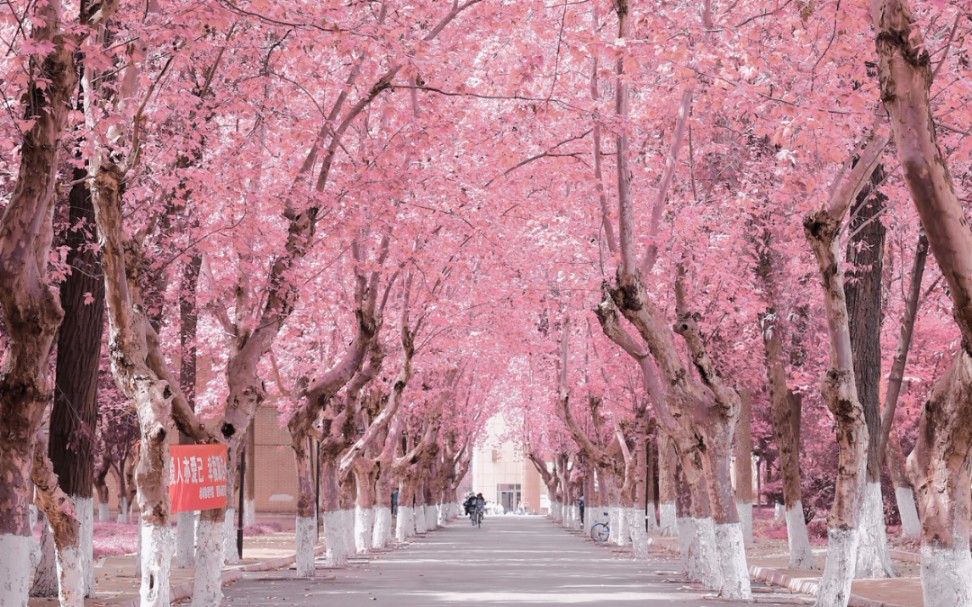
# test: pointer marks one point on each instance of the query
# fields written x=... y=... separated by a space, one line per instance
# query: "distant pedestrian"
x=394 y=507
x=580 y=503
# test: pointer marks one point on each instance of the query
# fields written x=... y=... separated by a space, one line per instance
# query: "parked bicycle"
x=600 y=532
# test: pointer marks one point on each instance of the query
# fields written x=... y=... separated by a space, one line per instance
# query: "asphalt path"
x=511 y=560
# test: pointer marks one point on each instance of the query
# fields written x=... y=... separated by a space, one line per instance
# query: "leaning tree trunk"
x=865 y=253
x=786 y=409
x=31 y=311
x=890 y=442
x=64 y=527
x=839 y=388
x=939 y=465
x=150 y=395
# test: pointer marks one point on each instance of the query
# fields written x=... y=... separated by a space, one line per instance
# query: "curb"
x=808 y=586
x=183 y=591
x=904 y=555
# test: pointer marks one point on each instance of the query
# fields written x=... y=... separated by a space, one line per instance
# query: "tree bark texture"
x=839 y=386
x=31 y=310
x=865 y=254
x=744 y=464
x=786 y=409
x=939 y=465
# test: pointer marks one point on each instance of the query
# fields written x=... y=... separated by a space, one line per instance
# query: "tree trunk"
x=939 y=465
x=249 y=497
x=744 y=465
x=45 y=572
x=189 y=320
x=31 y=311
x=667 y=485
x=64 y=526
x=75 y=411
x=786 y=409
x=865 y=253
x=840 y=392
x=904 y=494
x=364 y=508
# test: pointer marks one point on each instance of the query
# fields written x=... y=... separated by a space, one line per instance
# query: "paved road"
x=510 y=561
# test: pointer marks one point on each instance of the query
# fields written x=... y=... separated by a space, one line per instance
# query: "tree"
x=31 y=311
x=939 y=465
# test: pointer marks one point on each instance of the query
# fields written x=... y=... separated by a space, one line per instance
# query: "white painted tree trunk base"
x=207 y=585
x=158 y=544
x=230 y=554
x=84 y=510
x=44 y=580
x=419 y=520
x=700 y=552
x=668 y=525
x=364 y=529
x=801 y=555
x=650 y=520
x=185 y=553
x=404 y=526
x=337 y=550
x=305 y=534
x=432 y=517
x=15 y=569
x=873 y=556
x=779 y=512
x=745 y=510
x=619 y=526
x=383 y=528
x=104 y=515
x=571 y=517
x=70 y=577
x=838 y=573
x=123 y=510
x=946 y=575
x=636 y=530
x=910 y=524
x=731 y=556
x=249 y=513
x=347 y=527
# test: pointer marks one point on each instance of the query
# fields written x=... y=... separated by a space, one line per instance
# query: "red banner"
x=197 y=477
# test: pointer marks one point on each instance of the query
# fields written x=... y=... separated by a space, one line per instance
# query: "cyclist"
x=469 y=503
x=476 y=511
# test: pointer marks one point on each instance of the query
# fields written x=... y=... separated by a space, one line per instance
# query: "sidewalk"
x=117 y=586
x=769 y=565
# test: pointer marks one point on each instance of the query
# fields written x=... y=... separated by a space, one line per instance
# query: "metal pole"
x=239 y=518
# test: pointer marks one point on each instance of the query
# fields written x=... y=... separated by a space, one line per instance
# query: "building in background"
x=502 y=473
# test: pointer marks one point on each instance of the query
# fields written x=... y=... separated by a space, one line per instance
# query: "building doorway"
x=509 y=495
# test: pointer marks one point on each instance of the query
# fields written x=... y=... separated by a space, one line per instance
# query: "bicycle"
x=600 y=532
x=477 y=518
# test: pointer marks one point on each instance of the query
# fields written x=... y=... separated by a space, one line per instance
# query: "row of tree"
x=263 y=184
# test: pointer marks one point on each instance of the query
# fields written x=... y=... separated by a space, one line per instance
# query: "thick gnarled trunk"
x=839 y=386
x=939 y=465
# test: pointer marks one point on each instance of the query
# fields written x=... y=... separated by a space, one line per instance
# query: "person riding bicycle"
x=469 y=503
x=478 y=506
